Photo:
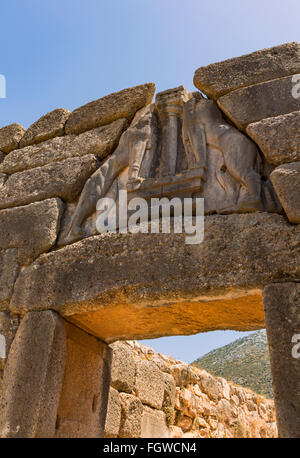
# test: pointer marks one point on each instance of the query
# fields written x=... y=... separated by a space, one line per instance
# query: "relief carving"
x=181 y=146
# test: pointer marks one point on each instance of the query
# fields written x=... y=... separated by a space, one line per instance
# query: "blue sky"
x=64 y=53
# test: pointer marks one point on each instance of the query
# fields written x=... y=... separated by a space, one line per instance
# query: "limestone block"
x=32 y=229
x=83 y=403
x=8 y=327
x=278 y=138
x=33 y=377
x=9 y=270
x=220 y=78
x=153 y=424
x=286 y=181
x=113 y=416
x=48 y=126
x=61 y=179
x=254 y=103
x=211 y=386
x=227 y=412
x=150 y=384
x=170 y=391
x=123 y=368
x=100 y=142
x=10 y=137
x=99 y=283
x=132 y=412
x=183 y=374
x=188 y=403
x=122 y=104
x=225 y=388
x=282 y=304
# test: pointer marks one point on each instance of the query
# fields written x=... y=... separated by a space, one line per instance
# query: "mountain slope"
x=245 y=362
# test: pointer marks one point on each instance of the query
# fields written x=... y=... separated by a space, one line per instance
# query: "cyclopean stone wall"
x=259 y=95
x=153 y=395
x=132 y=286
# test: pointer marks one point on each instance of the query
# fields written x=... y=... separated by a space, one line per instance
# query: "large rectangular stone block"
x=282 y=311
x=113 y=416
x=131 y=416
x=63 y=179
x=10 y=137
x=48 y=126
x=33 y=377
x=122 y=104
x=278 y=138
x=99 y=142
x=220 y=78
x=32 y=229
x=100 y=286
x=154 y=424
x=150 y=384
x=123 y=368
x=286 y=181
x=83 y=402
x=265 y=100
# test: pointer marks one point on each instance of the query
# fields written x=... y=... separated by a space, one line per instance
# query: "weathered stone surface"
x=286 y=181
x=210 y=386
x=10 y=137
x=63 y=179
x=254 y=103
x=153 y=424
x=220 y=78
x=99 y=284
x=33 y=377
x=187 y=403
x=2 y=156
x=113 y=416
x=32 y=229
x=84 y=397
x=48 y=126
x=170 y=391
x=8 y=328
x=9 y=270
x=122 y=104
x=123 y=368
x=100 y=142
x=278 y=138
x=282 y=304
x=183 y=374
x=150 y=384
x=131 y=419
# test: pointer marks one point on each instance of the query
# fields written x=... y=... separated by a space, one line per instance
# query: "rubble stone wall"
x=153 y=395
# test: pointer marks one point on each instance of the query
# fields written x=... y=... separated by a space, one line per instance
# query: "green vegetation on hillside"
x=245 y=362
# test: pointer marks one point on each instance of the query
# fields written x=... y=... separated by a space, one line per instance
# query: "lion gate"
x=67 y=292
